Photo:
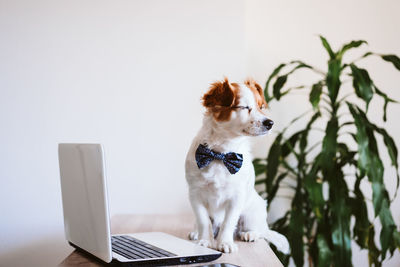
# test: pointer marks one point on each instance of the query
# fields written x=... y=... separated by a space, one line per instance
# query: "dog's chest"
x=216 y=178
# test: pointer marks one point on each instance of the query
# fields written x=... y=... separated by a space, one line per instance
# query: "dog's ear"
x=257 y=90
x=220 y=94
x=251 y=83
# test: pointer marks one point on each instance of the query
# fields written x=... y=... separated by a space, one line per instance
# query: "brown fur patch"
x=219 y=99
x=258 y=93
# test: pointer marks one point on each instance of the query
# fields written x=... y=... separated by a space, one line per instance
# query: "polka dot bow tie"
x=232 y=161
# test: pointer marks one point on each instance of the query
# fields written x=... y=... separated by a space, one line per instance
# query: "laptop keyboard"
x=132 y=248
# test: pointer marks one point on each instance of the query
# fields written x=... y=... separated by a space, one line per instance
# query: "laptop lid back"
x=84 y=198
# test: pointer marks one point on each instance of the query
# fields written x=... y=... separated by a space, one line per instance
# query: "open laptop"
x=86 y=217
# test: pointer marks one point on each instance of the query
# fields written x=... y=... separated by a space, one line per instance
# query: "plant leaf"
x=393 y=59
x=333 y=78
x=273 y=74
x=352 y=44
x=340 y=217
x=373 y=251
x=289 y=144
x=273 y=162
x=303 y=139
x=279 y=83
x=389 y=142
x=386 y=99
x=315 y=94
x=329 y=147
x=324 y=251
x=360 y=212
x=313 y=185
x=362 y=83
x=296 y=229
x=388 y=226
x=272 y=191
x=369 y=160
x=327 y=47
x=259 y=167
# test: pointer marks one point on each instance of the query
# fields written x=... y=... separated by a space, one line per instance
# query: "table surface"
x=250 y=254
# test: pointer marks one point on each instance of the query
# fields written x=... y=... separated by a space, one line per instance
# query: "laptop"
x=86 y=217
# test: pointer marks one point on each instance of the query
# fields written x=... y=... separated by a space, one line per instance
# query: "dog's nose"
x=268 y=123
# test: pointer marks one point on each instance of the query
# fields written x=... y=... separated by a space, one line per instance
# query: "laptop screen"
x=84 y=198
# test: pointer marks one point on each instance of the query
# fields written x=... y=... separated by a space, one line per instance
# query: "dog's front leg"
x=225 y=236
x=203 y=223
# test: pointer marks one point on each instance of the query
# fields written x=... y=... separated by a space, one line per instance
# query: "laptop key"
x=133 y=248
x=136 y=250
x=140 y=249
x=154 y=248
x=125 y=254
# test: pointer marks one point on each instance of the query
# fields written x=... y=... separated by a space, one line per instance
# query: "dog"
x=220 y=173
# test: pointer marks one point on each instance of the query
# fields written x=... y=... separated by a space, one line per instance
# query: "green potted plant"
x=327 y=171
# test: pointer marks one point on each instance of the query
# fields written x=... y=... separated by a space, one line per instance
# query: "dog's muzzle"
x=268 y=124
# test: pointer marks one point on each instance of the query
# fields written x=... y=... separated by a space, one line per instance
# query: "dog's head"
x=239 y=108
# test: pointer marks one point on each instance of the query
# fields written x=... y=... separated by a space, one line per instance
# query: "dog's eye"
x=243 y=107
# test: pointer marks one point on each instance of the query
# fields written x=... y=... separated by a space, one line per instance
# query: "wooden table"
x=254 y=254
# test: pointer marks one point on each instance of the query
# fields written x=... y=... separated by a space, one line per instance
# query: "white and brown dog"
x=219 y=169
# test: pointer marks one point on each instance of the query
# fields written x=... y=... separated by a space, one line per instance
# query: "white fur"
x=222 y=202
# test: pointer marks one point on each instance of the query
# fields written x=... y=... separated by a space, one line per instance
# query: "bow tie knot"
x=232 y=161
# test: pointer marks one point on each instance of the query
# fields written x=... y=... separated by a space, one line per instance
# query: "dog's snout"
x=268 y=123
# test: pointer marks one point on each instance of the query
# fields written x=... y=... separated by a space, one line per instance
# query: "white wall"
x=128 y=74
x=281 y=31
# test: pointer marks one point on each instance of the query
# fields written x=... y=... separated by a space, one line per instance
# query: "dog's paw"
x=194 y=235
x=205 y=243
x=227 y=246
x=249 y=236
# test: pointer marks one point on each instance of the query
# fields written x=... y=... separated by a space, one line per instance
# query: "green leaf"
x=333 y=78
x=367 y=54
x=315 y=94
x=352 y=44
x=327 y=47
x=279 y=83
x=386 y=99
x=273 y=74
x=388 y=226
x=259 y=167
x=324 y=252
x=304 y=135
x=389 y=142
x=281 y=80
x=360 y=212
x=346 y=156
x=369 y=161
x=396 y=239
x=362 y=83
x=376 y=166
x=340 y=218
x=275 y=186
x=289 y=144
x=329 y=148
x=393 y=59
x=273 y=161
x=296 y=229
x=373 y=251
x=313 y=185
